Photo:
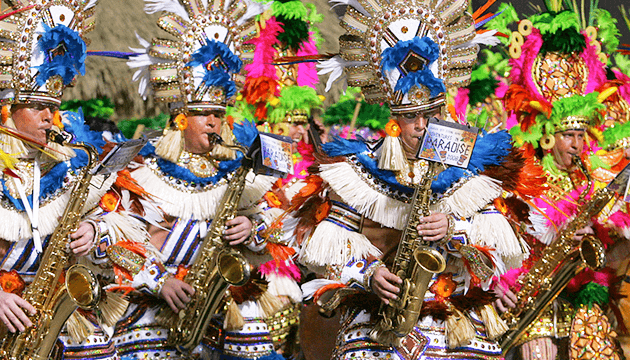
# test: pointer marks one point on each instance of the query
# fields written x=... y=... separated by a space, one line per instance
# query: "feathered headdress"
x=199 y=71
x=406 y=53
x=43 y=49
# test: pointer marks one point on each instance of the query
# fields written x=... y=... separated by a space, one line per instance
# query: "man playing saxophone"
x=39 y=180
x=193 y=175
x=379 y=202
x=553 y=119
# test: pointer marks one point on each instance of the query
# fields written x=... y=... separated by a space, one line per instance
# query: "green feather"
x=615 y=133
x=607 y=30
x=128 y=127
x=501 y=22
x=481 y=89
x=622 y=62
x=313 y=16
x=564 y=41
x=240 y=111
x=597 y=162
x=577 y=105
x=295 y=32
x=550 y=23
x=294 y=98
x=549 y=165
x=293 y=10
x=589 y=294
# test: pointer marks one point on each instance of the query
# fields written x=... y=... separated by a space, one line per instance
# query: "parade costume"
x=280 y=94
x=558 y=85
x=369 y=119
x=44 y=49
x=195 y=74
x=400 y=53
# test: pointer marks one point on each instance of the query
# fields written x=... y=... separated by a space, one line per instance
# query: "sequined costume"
x=398 y=52
x=560 y=91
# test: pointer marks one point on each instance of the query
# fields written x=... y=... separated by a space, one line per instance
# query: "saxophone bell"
x=592 y=252
x=83 y=287
x=233 y=267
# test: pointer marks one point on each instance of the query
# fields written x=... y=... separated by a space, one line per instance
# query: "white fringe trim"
x=493 y=230
x=355 y=192
x=18 y=225
x=125 y=226
x=334 y=245
x=197 y=205
x=284 y=286
x=309 y=288
x=471 y=197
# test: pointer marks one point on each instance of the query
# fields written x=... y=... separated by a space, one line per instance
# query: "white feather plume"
x=335 y=67
x=253 y=9
x=354 y=3
x=141 y=62
x=172 y=6
x=90 y=4
x=487 y=38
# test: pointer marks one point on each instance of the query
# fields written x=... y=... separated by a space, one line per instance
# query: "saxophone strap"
x=32 y=212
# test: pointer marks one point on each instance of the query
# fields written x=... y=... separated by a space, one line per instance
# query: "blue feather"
x=181 y=173
x=490 y=149
x=484 y=22
x=422 y=77
x=245 y=133
x=424 y=47
x=216 y=75
x=67 y=64
x=342 y=147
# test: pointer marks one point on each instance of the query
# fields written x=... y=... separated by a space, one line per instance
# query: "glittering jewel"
x=199 y=165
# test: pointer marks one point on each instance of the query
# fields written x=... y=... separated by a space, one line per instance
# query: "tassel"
x=79 y=327
x=392 y=156
x=9 y=144
x=112 y=307
x=233 y=317
x=170 y=145
x=269 y=304
x=459 y=329
x=221 y=152
x=495 y=326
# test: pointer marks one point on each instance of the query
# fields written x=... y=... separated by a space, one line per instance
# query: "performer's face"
x=33 y=119
x=568 y=143
x=200 y=125
x=412 y=128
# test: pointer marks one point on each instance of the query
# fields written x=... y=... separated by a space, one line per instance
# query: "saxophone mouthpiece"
x=215 y=139
x=53 y=136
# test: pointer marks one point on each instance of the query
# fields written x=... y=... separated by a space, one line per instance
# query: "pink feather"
x=509 y=279
x=461 y=102
x=307 y=72
x=282 y=268
x=620 y=220
x=605 y=277
x=596 y=72
x=265 y=52
x=624 y=90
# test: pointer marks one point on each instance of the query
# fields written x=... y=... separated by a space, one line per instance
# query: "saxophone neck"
x=65 y=140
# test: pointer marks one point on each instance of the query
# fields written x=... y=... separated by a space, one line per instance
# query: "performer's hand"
x=587 y=230
x=506 y=298
x=176 y=293
x=384 y=284
x=541 y=348
x=12 y=311
x=433 y=227
x=82 y=240
x=237 y=230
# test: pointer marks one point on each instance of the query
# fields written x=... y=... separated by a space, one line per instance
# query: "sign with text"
x=272 y=155
x=447 y=142
x=621 y=183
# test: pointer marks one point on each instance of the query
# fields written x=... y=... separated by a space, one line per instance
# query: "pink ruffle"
x=624 y=90
x=509 y=279
x=521 y=72
x=605 y=277
x=461 y=102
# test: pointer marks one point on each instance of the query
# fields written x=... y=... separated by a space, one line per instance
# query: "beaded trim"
x=375 y=183
x=345 y=216
x=182 y=185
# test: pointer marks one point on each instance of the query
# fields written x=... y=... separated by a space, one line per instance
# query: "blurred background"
x=118 y=22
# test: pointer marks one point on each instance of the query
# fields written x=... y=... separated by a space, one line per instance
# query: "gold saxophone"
x=216 y=268
x=56 y=301
x=415 y=263
x=560 y=262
